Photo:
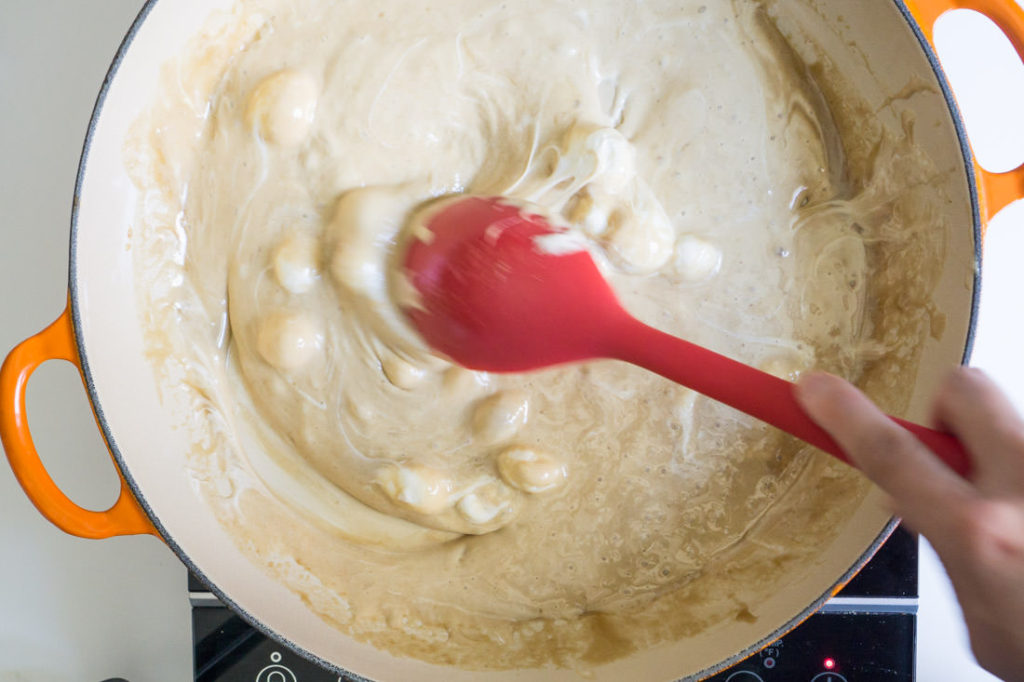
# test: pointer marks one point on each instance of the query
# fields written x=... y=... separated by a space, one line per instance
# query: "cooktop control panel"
x=835 y=647
x=826 y=648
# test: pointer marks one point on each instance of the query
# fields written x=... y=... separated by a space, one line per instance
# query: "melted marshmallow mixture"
x=570 y=515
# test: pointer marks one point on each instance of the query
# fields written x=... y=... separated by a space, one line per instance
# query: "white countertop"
x=82 y=610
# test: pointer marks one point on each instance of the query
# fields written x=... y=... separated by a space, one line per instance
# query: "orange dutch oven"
x=100 y=333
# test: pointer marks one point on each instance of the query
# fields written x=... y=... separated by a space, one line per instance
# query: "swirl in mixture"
x=689 y=149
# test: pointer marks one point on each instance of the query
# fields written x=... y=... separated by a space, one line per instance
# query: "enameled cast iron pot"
x=100 y=333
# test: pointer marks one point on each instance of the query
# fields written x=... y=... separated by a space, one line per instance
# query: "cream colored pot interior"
x=151 y=450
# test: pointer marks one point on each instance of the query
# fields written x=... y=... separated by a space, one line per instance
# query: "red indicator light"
x=830 y=663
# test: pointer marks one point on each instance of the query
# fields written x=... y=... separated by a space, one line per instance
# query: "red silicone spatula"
x=501 y=289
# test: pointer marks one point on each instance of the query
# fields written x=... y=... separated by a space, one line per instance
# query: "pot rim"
x=108 y=435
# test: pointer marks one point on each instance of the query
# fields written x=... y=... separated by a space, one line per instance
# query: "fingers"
x=970 y=405
x=923 y=488
x=977 y=527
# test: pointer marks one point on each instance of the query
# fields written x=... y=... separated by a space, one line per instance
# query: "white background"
x=82 y=610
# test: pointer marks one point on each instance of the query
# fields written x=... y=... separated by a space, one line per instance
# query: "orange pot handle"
x=56 y=342
x=997 y=189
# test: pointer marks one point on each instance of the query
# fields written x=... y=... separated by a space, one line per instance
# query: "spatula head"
x=500 y=288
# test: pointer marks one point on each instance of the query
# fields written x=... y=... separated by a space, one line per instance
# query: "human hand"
x=976 y=526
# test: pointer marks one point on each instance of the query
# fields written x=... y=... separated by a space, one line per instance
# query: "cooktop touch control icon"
x=828 y=677
x=744 y=676
x=276 y=672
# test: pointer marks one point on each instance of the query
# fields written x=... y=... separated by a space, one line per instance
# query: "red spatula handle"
x=750 y=390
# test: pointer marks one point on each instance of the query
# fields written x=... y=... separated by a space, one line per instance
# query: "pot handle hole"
x=56 y=342
x=998 y=190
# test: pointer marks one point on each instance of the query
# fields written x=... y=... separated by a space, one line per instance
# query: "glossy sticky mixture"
x=571 y=515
